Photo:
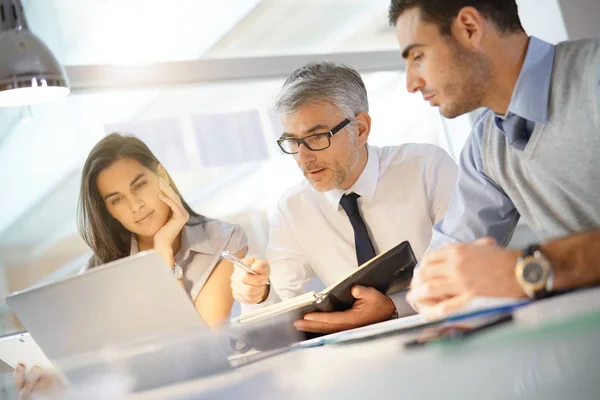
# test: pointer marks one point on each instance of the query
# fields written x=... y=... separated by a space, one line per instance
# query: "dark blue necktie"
x=516 y=130
x=364 y=247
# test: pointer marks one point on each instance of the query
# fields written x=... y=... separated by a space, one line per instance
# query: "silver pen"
x=238 y=263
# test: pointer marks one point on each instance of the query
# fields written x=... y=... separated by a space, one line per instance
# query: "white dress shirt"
x=403 y=191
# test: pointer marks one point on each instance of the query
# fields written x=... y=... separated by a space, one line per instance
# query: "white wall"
x=543 y=19
x=3 y=286
x=582 y=17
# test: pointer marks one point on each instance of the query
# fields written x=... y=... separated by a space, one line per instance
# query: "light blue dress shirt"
x=479 y=207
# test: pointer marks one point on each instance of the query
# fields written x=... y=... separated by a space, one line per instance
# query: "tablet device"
x=458 y=330
x=21 y=348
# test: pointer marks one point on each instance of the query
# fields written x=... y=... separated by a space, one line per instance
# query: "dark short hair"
x=503 y=13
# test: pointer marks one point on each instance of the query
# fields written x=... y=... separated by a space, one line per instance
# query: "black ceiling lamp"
x=29 y=72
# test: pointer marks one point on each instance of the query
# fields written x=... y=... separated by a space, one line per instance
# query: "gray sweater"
x=554 y=182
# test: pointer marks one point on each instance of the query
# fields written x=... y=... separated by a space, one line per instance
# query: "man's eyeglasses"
x=316 y=142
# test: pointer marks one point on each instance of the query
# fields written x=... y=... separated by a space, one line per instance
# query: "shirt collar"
x=133 y=248
x=193 y=238
x=365 y=185
x=531 y=95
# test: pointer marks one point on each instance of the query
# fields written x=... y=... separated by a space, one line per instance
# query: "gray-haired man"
x=357 y=201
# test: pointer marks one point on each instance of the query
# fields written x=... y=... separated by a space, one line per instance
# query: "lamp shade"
x=29 y=72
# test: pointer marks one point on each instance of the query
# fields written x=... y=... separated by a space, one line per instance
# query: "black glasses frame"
x=302 y=141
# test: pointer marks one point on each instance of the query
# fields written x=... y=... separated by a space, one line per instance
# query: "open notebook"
x=389 y=272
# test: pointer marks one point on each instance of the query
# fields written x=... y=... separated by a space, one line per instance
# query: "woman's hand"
x=164 y=238
x=33 y=380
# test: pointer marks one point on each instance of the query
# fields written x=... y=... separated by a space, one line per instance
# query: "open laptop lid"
x=122 y=301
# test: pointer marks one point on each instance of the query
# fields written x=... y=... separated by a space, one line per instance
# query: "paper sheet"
x=476 y=305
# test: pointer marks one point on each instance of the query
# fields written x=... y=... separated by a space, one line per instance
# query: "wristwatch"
x=177 y=271
x=534 y=273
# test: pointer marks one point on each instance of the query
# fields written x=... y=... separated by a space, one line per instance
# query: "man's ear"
x=162 y=173
x=469 y=27
x=363 y=123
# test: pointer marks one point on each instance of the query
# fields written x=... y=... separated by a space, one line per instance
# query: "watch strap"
x=530 y=250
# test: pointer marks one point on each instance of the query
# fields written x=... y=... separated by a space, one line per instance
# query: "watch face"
x=178 y=271
x=533 y=272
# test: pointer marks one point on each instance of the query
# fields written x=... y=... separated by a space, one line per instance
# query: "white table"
x=550 y=351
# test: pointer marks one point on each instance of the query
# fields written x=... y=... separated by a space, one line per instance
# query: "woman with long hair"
x=129 y=203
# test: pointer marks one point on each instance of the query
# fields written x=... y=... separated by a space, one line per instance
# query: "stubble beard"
x=470 y=74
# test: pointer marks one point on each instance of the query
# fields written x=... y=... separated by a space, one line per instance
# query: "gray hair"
x=323 y=81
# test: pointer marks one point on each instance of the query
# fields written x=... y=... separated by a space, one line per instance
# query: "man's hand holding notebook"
x=371 y=306
x=357 y=299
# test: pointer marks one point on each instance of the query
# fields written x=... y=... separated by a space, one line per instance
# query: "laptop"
x=131 y=303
